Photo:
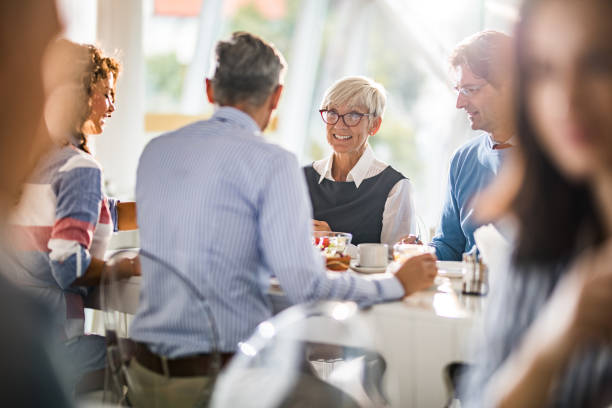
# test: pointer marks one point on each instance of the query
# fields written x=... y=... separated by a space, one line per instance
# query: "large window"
x=404 y=44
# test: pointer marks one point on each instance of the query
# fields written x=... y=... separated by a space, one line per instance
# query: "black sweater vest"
x=349 y=209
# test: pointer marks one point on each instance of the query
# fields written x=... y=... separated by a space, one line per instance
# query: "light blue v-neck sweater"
x=472 y=167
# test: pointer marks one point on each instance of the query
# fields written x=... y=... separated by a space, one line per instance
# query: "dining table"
x=418 y=336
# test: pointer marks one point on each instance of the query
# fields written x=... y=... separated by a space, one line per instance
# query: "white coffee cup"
x=373 y=255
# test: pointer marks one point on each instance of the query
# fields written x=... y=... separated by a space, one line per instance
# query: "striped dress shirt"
x=220 y=211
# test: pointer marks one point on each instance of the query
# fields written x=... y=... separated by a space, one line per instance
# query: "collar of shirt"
x=493 y=143
x=238 y=117
x=367 y=166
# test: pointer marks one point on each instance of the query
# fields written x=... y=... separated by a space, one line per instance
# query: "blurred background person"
x=29 y=376
x=63 y=221
x=548 y=332
x=351 y=190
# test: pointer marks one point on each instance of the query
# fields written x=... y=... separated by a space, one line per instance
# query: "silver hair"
x=356 y=91
x=247 y=70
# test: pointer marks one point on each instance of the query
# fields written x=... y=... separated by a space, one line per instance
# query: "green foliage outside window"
x=164 y=82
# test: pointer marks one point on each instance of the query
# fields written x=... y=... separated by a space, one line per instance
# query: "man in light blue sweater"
x=483 y=88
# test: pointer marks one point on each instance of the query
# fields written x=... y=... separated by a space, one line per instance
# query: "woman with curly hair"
x=64 y=221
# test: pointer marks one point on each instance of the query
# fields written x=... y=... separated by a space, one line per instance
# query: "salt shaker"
x=475 y=274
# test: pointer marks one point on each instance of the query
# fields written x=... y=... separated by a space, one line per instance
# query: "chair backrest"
x=114 y=304
x=116 y=299
x=319 y=354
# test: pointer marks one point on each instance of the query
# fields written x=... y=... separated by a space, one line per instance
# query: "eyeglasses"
x=350 y=119
x=469 y=91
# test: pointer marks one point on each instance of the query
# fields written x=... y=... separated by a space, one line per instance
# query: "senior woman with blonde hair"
x=351 y=190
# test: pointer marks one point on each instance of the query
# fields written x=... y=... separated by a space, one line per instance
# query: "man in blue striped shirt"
x=221 y=211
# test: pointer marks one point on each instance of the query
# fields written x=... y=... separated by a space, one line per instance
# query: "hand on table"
x=100 y=271
x=320 y=225
x=127 y=267
x=410 y=239
x=417 y=273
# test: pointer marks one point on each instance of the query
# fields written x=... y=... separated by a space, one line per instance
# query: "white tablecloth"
x=417 y=336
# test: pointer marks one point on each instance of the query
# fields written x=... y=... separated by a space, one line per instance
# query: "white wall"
x=118 y=148
x=79 y=18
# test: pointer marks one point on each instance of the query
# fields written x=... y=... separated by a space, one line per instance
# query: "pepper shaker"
x=475 y=274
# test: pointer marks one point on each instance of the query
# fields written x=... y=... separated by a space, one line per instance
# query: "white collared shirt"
x=398 y=215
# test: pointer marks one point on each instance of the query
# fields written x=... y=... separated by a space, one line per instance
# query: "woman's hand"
x=417 y=273
x=410 y=239
x=320 y=226
x=127 y=267
x=99 y=270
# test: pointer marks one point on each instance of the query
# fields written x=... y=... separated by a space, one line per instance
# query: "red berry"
x=325 y=242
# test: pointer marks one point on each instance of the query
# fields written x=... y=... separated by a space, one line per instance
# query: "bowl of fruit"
x=333 y=246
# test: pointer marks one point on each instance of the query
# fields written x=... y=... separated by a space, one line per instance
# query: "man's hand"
x=320 y=225
x=99 y=271
x=417 y=273
x=410 y=239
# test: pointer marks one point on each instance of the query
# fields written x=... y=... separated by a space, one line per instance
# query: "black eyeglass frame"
x=361 y=115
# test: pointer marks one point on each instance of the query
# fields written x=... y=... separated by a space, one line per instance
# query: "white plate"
x=365 y=269
x=450 y=269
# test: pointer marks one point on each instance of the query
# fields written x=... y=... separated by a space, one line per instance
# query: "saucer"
x=366 y=269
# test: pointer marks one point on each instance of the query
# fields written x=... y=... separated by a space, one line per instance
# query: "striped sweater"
x=62 y=220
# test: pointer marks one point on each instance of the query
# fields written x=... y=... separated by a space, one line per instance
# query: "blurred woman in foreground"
x=549 y=329
x=63 y=221
x=28 y=377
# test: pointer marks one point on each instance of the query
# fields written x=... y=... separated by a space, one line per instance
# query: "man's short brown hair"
x=486 y=53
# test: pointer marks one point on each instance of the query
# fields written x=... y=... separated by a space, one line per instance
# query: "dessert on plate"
x=333 y=246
